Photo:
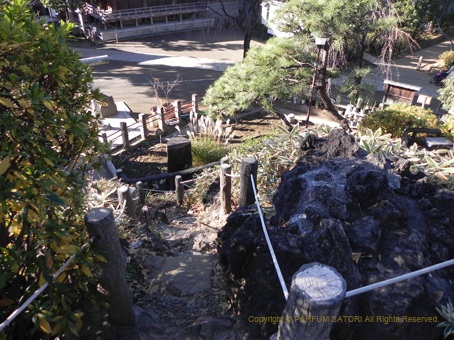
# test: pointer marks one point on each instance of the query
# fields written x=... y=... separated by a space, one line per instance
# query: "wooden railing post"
x=418 y=67
x=315 y=297
x=131 y=196
x=143 y=127
x=177 y=106
x=161 y=121
x=139 y=186
x=104 y=138
x=248 y=166
x=195 y=103
x=179 y=190
x=101 y=227
x=124 y=135
x=226 y=188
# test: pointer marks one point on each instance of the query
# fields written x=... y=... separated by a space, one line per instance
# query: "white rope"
x=196 y=179
x=14 y=314
x=233 y=176
x=121 y=212
x=156 y=190
x=273 y=256
x=399 y=278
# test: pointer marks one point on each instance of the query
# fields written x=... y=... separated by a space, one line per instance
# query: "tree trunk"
x=282 y=117
x=327 y=101
x=322 y=91
x=246 y=42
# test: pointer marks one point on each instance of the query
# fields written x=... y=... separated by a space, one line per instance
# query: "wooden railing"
x=144 y=12
x=162 y=117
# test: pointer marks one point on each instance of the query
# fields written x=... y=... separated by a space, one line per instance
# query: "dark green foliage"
x=268 y=72
x=396 y=118
x=48 y=138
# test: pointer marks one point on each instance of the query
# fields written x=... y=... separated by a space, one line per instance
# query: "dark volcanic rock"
x=369 y=220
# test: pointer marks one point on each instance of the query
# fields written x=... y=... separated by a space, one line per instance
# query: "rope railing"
x=268 y=242
x=121 y=212
x=19 y=310
x=399 y=278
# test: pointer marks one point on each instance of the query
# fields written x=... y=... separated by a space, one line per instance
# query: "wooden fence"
x=107 y=16
x=161 y=120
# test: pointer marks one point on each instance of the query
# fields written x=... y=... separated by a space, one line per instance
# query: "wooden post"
x=315 y=297
x=124 y=135
x=418 y=67
x=161 y=119
x=177 y=106
x=139 y=186
x=179 y=190
x=130 y=195
x=195 y=103
x=226 y=188
x=101 y=227
x=104 y=138
x=143 y=128
x=248 y=166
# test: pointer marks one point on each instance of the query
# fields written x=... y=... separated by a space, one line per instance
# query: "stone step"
x=188 y=274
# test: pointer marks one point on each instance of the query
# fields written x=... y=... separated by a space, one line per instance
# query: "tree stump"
x=111 y=274
x=315 y=297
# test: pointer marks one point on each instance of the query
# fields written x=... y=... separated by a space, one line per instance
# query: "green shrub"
x=448 y=127
x=448 y=58
x=206 y=150
x=396 y=118
x=49 y=139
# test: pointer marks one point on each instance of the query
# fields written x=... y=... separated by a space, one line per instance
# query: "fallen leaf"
x=381 y=268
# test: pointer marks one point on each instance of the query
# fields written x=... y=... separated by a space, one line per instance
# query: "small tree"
x=278 y=69
x=48 y=139
x=166 y=87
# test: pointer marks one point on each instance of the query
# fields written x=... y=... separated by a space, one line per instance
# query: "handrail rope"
x=270 y=246
x=232 y=175
x=195 y=179
x=155 y=190
x=121 y=212
x=399 y=278
x=19 y=310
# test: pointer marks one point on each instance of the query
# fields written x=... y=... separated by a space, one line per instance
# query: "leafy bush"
x=49 y=138
x=396 y=118
x=448 y=58
x=447 y=128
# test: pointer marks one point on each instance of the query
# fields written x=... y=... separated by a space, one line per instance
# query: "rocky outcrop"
x=366 y=217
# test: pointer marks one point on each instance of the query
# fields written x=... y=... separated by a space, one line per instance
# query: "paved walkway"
x=208 y=53
x=404 y=69
x=205 y=53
